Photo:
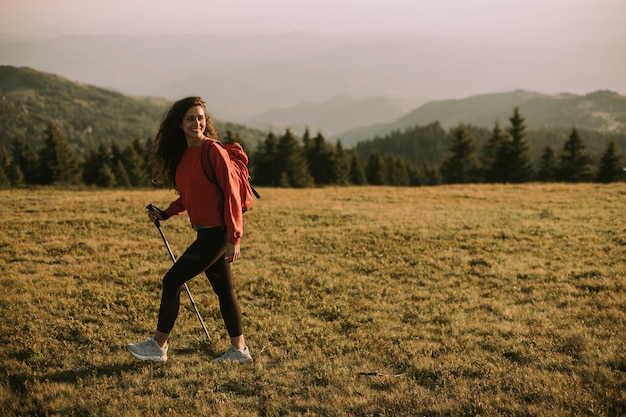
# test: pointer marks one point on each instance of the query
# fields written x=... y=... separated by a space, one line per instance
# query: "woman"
x=214 y=210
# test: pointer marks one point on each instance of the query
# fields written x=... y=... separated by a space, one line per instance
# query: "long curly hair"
x=170 y=143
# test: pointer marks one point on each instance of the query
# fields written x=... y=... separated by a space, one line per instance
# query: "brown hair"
x=170 y=143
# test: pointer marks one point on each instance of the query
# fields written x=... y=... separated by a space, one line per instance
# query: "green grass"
x=443 y=301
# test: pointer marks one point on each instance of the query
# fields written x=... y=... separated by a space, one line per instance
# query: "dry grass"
x=455 y=300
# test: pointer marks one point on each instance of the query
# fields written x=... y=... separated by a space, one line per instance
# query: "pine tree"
x=416 y=176
x=432 y=175
x=142 y=151
x=57 y=163
x=519 y=168
x=320 y=159
x=24 y=160
x=611 y=168
x=147 y=154
x=548 y=168
x=493 y=163
x=117 y=165
x=375 y=170
x=16 y=176
x=105 y=177
x=307 y=142
x=357 y=170
x=341 y=165
x=122 y=178
x=397 y=171
x=292 y=162
x=264 y=167
x=94 y=163
x=5 y=182
x=134 y=167
x=576 y=165
x=461 y=167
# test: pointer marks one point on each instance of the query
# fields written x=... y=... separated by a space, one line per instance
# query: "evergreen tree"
x=284 y=181
x=16 y=177
x=122 y=178
x=548 y=168
x=357 y=170
x=117 y=165
x=25 y=161
x=307 y=143
x=611 y=168
x=292 y=162
x=265 y=164
x=493 y=157
x=432 y=175
x=105 y=177
x=57 y=163
x=134 y=167
x=147 y=157
x=341 y=165
x=576 y=165
x=375 y=170
x=397 y=171
x=461 y=167
x=94 y=163
x=5 y=164
x=416 y=176
x=89 y=169
x=321 y=162
x=519 y=168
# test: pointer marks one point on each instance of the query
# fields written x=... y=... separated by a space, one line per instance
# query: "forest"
x=468 y=155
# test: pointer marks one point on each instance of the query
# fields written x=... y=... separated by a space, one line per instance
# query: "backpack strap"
x=205 y=155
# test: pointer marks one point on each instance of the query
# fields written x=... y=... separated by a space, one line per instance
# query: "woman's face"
x=194 y=123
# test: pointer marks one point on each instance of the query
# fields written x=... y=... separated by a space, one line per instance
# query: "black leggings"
x=205 y=254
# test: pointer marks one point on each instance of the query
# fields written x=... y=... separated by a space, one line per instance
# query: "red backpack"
x=238 y=159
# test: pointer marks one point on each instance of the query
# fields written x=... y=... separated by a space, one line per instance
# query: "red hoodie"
x=203 y=199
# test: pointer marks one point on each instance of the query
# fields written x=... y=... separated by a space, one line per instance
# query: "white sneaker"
x=149 y=351
x=234 y=354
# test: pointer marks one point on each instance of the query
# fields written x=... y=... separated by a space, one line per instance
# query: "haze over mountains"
x=342 y=82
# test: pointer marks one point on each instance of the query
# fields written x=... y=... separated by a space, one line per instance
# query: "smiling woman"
x=214 y=209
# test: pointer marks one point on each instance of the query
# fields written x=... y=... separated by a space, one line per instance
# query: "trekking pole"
x=157 y=223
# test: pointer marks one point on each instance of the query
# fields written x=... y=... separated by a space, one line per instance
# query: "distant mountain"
x=247 y=75
x=603 y=111
x=335 y=115
x=88 y=115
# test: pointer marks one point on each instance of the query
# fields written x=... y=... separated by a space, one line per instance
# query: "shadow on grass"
x=20 y=382
x=203 y=348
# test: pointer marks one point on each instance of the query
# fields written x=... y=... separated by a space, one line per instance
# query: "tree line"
x=505 y=159
x=285 y=160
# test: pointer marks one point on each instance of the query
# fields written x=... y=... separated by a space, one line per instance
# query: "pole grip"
x=149 y=207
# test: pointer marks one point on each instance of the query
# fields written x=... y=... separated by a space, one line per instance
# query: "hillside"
x=602 y=111
x=88 y=115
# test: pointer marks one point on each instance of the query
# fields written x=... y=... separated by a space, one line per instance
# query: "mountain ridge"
x=601 y=110
x=244 y=75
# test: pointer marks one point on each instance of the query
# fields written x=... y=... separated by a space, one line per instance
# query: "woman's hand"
x=232 y=252
x=155 y=213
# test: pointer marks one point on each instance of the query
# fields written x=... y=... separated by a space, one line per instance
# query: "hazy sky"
x=499 y=19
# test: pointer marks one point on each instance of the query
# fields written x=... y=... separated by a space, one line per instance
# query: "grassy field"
x=446 y=301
